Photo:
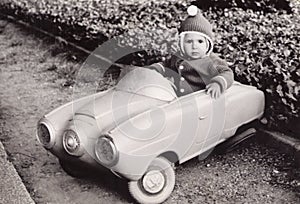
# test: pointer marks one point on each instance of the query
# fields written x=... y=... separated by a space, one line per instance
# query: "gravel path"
x=28 y=89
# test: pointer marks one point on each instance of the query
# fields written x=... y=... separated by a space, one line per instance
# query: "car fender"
x=58 y=119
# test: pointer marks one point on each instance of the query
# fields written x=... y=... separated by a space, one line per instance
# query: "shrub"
x=263 y=50
x=256 y=5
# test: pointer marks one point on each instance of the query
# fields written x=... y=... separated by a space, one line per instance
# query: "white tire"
x=156 y=185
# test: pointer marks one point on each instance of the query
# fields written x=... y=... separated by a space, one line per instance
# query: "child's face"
x=195 y=45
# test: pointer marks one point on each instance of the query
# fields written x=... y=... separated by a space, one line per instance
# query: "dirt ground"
x=30 y=87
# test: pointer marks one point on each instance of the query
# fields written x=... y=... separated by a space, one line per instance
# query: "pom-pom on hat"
x=196 y=22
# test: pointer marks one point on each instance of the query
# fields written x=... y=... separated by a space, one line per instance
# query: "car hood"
x=138 y=91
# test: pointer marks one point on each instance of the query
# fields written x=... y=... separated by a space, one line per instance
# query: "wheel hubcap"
x=153 y=181
x=70 y=142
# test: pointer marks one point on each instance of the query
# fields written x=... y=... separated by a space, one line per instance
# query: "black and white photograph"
x=148 y=101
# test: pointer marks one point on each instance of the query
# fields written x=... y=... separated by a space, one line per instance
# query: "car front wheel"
x=156 y=185
x=73 y=170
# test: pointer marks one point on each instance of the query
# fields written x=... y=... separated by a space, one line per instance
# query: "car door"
x=208 y=124
x=211 y=120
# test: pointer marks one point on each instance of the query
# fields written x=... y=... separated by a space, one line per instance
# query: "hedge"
x=259 y=39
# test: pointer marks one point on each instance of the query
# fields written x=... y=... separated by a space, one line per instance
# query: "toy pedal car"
x=139 y=129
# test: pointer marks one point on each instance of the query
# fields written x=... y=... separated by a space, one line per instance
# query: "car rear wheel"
x=156 y=185
x=233 y=142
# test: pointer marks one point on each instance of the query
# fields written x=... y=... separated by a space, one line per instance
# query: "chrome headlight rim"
x=115 y=152
x=77 y=150
x=51 y=132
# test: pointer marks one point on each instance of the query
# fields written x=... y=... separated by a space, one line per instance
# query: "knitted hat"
x=196 y=22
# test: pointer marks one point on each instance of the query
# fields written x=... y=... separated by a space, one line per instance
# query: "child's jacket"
x=194 y=75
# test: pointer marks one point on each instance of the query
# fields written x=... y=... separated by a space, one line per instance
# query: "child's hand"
x=214 y=90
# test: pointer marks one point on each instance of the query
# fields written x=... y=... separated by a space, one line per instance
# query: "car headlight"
x=45 y=135
x=71 y=143
x=106 y=151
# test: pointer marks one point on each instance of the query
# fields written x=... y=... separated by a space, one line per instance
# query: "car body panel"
x=146 y=121
x=185 y=144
